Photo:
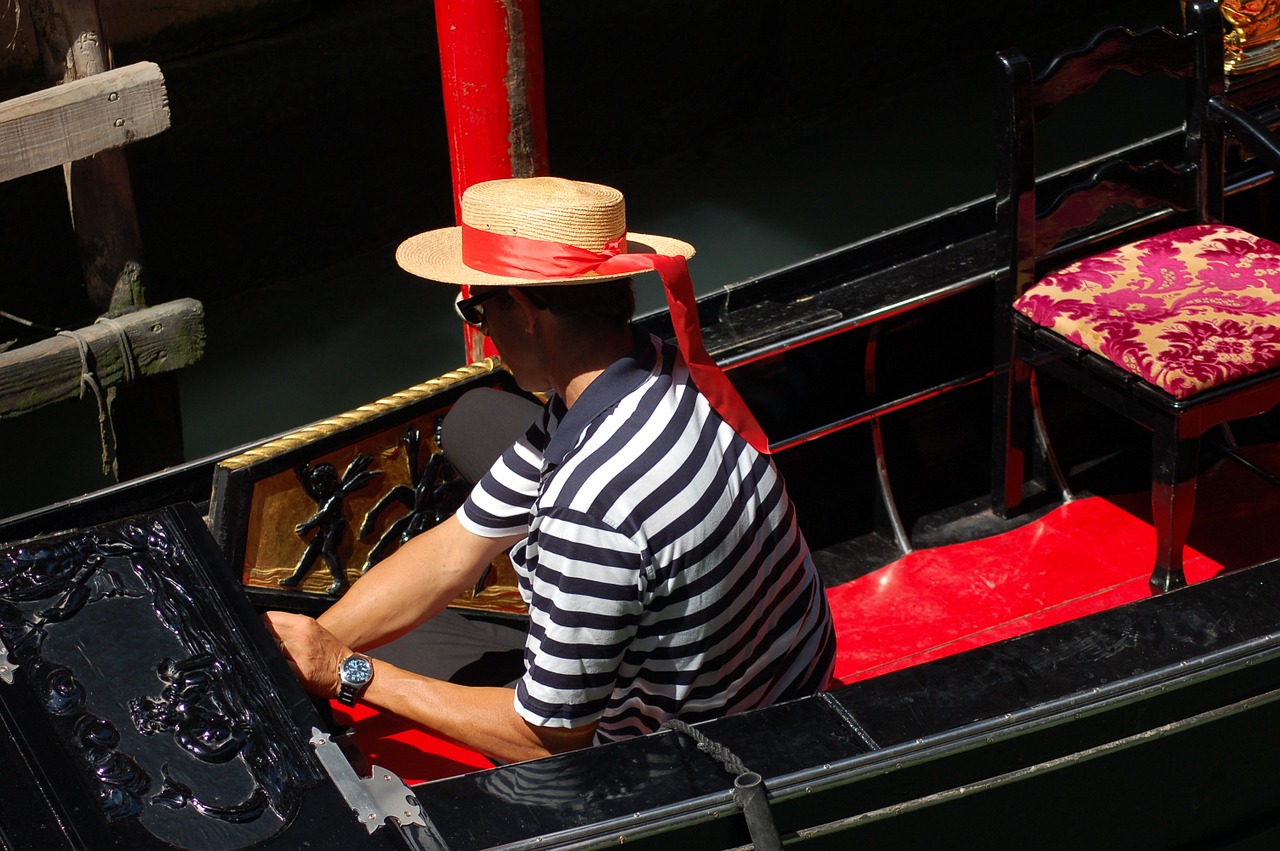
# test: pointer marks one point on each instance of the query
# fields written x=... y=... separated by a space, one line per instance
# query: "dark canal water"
x=296 y=163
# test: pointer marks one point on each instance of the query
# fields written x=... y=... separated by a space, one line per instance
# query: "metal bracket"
x=381 y=796
x=7 y=665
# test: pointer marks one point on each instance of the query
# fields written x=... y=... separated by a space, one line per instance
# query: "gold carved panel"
x=307 y=514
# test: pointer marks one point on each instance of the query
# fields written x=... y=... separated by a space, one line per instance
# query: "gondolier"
x=658 y=552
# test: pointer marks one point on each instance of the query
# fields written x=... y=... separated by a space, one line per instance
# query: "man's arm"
x=413 y=584
x=481 y=718
x=484 y=719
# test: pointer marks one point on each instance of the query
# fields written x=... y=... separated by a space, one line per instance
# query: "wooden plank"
x=76 y=120
x=163 y=338
x=145 y=415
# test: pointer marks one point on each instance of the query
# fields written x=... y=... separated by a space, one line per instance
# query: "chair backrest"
x=1043 y=221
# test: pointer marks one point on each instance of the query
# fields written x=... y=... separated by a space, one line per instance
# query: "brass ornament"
x=1252 y=38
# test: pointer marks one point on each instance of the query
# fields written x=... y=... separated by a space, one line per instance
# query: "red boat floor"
x=1083 y=557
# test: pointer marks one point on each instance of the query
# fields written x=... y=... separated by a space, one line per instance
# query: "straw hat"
x=549 y=209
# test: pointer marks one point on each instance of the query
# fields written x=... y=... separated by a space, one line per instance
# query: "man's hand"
x=481 y=718
x=311 y=650
x=412 y=584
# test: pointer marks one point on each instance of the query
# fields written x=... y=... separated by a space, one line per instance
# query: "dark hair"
x=611 y=303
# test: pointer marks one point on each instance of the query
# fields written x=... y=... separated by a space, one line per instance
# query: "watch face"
x=357 y=670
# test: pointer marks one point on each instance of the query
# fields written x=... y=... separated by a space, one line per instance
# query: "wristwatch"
x=354 y=674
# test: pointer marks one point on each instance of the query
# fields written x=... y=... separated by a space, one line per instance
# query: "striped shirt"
x=662 y=564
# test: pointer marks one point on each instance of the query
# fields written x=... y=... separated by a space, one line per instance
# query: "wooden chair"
x=1126 y=286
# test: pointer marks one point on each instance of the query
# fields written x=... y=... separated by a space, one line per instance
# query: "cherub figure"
x=198 y=706
x=436 y=493
x=322 y=484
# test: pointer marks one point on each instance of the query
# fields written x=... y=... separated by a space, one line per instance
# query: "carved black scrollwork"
x=201 y=723
x=177 y=795
x=41 y=586
x=124 y=782
x=199 y=706
x=437 y=492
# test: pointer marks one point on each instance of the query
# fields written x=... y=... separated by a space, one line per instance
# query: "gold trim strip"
x=361 y=414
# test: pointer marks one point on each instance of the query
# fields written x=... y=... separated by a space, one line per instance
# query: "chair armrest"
x=1252 y=133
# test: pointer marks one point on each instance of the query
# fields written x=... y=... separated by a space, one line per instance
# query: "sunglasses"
x=471 y=310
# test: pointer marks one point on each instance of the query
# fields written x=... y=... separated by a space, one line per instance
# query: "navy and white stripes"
x=663 y=567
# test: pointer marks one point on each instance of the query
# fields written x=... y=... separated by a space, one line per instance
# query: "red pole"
x=494 y=98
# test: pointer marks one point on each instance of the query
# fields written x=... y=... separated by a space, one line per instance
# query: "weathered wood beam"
x=162 y=338
x=146 y=415
x=76 y=120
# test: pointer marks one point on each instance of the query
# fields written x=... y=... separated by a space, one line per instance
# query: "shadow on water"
x=296 y=163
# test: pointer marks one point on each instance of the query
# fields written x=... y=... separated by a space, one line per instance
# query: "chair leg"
x=888 y=507
x=1173 y=501
x=1011 y=426
x=1046 y=448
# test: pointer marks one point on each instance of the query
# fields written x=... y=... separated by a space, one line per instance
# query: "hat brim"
x=437 y=256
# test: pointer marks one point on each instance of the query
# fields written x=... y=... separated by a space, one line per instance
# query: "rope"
x=127 y=359
x=715 y=750
x=749 y=791
x=89 y=380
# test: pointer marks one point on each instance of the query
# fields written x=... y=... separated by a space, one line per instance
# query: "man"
x=655 y=545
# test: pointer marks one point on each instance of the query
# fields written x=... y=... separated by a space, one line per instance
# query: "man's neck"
x=588 y=362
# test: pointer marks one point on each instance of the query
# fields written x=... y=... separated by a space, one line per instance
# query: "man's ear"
x=529 y=311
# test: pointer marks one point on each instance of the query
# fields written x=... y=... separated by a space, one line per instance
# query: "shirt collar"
x=620 y=378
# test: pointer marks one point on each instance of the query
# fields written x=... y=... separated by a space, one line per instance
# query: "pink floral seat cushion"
x=1186 y=310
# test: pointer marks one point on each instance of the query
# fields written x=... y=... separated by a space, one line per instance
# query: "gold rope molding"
x=361 y=414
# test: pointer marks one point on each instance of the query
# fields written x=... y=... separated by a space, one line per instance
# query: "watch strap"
x=347 y=694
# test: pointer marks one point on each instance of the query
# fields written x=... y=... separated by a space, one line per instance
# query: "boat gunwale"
x=1169 y=678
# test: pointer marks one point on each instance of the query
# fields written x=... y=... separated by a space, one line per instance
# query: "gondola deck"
x=1003 y=666
x=1083 y=557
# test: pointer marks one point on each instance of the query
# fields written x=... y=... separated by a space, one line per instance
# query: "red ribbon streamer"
x=534 y=259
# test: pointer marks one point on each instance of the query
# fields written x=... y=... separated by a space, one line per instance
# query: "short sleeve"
x=585 y=606
x=500 y=503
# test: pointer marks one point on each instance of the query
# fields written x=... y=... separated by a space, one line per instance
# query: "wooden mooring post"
x=86 y=130
x=494 y=100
